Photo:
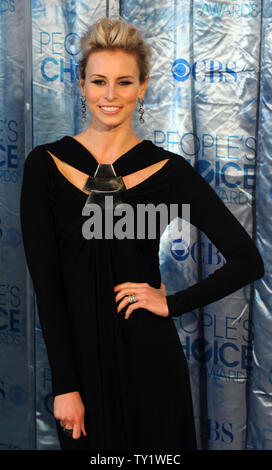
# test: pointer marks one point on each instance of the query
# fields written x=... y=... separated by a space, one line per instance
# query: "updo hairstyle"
x=113 y=34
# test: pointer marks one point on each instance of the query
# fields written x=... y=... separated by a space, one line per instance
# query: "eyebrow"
x=103 y=76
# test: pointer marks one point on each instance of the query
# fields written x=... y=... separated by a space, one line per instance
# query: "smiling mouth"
x=110 y=109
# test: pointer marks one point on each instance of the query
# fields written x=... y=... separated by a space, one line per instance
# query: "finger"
x=132 y=307
x=66 y=424
x=163 y=287
x=126 y=302
x=128 y=285
x=128 y=291
x=76 y=431
x=83 y=429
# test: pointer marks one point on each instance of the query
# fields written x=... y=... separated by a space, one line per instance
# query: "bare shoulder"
x=79 y=136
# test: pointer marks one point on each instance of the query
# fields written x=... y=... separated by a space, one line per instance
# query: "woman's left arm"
x=244 y=263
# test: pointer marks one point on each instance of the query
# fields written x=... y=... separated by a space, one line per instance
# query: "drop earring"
x=141 y=110
x=83 y=109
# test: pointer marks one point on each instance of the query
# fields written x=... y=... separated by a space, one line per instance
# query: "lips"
x=110 y=109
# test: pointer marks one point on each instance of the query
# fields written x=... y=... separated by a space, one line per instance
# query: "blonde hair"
x=112 y=34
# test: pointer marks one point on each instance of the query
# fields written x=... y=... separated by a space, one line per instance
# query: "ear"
x=82 y=86
x=143 y=87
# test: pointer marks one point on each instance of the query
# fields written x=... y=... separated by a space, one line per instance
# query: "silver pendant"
x=105 y=182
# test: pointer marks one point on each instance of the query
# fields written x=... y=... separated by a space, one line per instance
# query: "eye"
x=97 y=81
x=100 y=81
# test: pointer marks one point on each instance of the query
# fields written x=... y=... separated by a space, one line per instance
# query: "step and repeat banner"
x=14 y=371
x=209 y=100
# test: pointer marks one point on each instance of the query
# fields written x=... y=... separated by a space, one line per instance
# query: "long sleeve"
x=208 y=213
x=42 y=258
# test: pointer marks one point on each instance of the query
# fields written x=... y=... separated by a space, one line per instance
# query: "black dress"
x=131 y=373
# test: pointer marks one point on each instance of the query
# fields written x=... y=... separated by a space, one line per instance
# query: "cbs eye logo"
x=180 y=249
x=181 y=70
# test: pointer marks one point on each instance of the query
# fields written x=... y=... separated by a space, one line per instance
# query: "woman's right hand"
x=69 y=409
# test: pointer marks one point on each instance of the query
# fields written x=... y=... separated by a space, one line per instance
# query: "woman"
x=119 y=375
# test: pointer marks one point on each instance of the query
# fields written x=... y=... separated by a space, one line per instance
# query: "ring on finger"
x=67 y=431
x=131 y=298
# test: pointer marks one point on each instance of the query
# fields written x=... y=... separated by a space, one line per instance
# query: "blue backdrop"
x=209 y=99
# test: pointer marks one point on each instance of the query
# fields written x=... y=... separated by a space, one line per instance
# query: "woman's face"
x=112 y=80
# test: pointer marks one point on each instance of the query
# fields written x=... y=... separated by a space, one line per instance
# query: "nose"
x=110 y=92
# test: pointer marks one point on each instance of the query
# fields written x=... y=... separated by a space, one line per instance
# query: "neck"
x=107 y=145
